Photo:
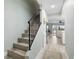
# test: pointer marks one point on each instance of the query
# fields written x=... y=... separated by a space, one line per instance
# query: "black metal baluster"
x=29 y=35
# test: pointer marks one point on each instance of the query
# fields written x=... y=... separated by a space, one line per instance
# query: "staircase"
x=23 y=45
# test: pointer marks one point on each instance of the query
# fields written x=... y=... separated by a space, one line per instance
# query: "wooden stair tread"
x=22 y=44
x=28 y=33
x=17 y=51
x=7 y=57
x=26 y=38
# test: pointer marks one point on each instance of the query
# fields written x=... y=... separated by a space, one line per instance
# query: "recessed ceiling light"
x=52 y=6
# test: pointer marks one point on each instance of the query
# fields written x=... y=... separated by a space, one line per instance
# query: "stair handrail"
x=30 y=22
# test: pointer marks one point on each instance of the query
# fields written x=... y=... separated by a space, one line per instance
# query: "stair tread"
x=17 y=51
x=28 y=33
x=23 y=44
x=7 y=57
x=31 y=31
x=26 y=38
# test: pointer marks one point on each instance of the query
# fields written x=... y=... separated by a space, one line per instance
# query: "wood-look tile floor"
x=54 y=50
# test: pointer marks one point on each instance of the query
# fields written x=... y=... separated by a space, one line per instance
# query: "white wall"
x=17 y=13
x=68 y=14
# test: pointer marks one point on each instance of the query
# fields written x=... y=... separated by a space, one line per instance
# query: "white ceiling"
x=47 y=6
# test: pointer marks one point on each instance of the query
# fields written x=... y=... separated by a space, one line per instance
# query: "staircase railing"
x=34 y=24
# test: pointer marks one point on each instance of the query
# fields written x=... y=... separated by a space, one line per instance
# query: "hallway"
x=25 y=39
x=54 y=50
